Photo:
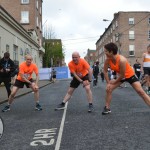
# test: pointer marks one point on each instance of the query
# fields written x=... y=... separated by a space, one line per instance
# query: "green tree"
x=53 y=53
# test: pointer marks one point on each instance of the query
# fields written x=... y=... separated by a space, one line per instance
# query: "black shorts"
x=75 y=83
x=146 y=70
x=54 y=76
x=21 y=84
x=130 y=80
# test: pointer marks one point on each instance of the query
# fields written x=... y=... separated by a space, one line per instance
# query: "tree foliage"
x=53 y=53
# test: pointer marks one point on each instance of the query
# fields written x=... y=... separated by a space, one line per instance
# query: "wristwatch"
x=81 y=81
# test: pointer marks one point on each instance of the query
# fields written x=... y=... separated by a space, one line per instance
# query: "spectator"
x=7 y=66
x=137 y=68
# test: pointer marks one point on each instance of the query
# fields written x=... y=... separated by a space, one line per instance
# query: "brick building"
x=28 y=13
x=130 y=31
x=90 y=56
x=21 y=29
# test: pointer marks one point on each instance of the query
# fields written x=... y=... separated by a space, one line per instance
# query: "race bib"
x=138 y=70
x=26 y=75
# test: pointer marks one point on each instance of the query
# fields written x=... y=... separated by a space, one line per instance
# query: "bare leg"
x=141 y=92
x=69 y=94
x=36 y=92
x=109 y=93
x=89 y=94
x=12 y=95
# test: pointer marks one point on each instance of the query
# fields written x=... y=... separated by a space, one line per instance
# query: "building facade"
x=28 y=13
x=27 y=16
x=130 y=31
x=90 y=57
x=16 y=40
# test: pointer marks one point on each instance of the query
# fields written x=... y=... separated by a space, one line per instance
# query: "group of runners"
x=82 y=74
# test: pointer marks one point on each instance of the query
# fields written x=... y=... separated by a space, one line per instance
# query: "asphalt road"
x=126 y=128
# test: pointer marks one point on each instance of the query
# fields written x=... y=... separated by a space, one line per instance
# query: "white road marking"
x=61 y=129
x=1 y=128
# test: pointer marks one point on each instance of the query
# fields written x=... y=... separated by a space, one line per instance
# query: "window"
x=131 y=50
x=24 y=17
x=27 y=51
x=114 y=38
x=131 y=21
x=131 y=35
x=15 y=53
x=37 y=4
x=7 y=48
x=117 y=36
x=40 y=10
x=110 y=30
x=149 y=34
x=40 y=26
x=37 y=21
x=148 y=20
x=116 y=23
x=24 y=1
x=21 y=51
x=113 y=26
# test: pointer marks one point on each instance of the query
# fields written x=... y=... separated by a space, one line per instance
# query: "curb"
x=19 y=95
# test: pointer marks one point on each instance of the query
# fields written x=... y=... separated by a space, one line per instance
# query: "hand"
x=2 y=70
x=35 y=87
x=112 y=81
x=85 y=83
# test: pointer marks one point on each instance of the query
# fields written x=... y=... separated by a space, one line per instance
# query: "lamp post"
x=106 y=20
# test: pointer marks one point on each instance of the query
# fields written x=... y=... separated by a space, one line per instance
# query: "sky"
x=79 y=23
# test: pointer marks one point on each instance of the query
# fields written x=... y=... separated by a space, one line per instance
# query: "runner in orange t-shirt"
x=82 y=73
x=125 y=72
x=25 y=78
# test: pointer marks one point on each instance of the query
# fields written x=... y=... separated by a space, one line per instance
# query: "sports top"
x=81 y=69
x=27 y=71
x=129 y=72
x=146 y=61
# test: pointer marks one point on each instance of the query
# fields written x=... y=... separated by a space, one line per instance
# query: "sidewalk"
x=3 y=92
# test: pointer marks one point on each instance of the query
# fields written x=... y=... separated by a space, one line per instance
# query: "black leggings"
x=7 y=84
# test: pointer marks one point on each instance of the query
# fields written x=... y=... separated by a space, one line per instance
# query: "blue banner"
x=61 y=72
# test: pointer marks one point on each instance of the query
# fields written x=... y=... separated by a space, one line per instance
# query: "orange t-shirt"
x=81 y=69
x=129 y=72
x=27 y=71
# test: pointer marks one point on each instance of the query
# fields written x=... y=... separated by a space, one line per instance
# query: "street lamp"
x=106 y=20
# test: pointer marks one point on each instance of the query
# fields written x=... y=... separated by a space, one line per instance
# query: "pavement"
x=23 y=91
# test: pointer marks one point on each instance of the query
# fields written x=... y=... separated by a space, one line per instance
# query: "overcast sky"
x=79 y=23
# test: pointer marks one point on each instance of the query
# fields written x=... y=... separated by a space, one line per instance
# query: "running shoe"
x=60 y=106
x=106 y=111
x=38 y=107
x=6 y=108
x=148 y=92
x=91 y=108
